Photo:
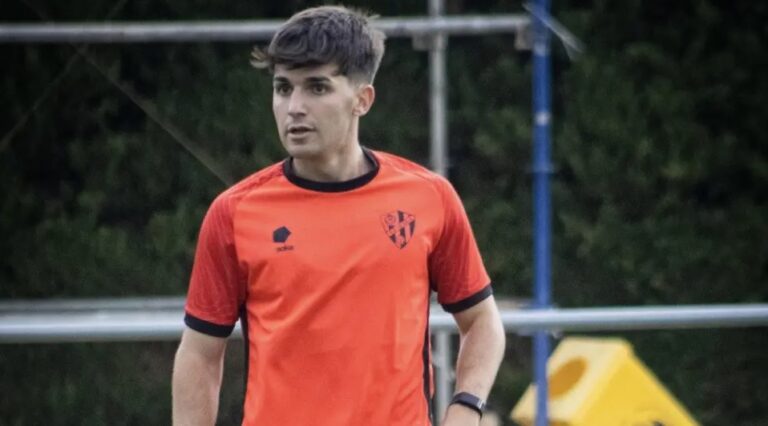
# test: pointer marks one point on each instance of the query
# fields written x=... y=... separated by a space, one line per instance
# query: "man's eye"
x=282 y=89
x=319 y=89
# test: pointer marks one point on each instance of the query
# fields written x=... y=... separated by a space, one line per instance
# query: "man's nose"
x=296 y=105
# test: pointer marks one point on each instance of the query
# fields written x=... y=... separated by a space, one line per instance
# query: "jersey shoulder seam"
x=411 y=168
x=239 y=190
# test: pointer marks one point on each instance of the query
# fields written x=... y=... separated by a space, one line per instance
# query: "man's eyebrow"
x=318 y=80
x=309 y=80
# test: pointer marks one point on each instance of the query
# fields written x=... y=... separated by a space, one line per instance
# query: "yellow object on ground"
x=600 y=382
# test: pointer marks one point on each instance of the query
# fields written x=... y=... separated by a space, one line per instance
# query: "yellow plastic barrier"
x=600 y=382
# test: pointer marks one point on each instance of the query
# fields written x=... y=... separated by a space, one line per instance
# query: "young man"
x=329 y=257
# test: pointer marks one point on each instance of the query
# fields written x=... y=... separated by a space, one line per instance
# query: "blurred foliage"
x=660 y=194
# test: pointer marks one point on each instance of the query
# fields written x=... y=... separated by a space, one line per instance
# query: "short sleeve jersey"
x=331 y=282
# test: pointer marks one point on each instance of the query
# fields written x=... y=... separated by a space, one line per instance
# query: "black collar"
x=346 y=185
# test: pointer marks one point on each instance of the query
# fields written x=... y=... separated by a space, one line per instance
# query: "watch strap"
x=470 y=401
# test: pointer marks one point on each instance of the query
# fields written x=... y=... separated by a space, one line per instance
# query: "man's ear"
x=366 y=94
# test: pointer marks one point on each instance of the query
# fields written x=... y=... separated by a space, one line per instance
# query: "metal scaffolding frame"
x=428 y=33
x=161 y=318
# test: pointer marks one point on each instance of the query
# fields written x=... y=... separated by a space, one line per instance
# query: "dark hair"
x=324 y=35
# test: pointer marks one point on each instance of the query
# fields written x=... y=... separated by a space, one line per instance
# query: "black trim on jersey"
x=427 y=382
x=346 y=185
x=246 y=346
x=205 y=327
x=470 y=301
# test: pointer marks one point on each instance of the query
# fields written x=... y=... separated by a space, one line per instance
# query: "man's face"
x=316 y=110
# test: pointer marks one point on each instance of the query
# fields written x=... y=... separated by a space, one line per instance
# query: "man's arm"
x=480 y=354
x=197 y=373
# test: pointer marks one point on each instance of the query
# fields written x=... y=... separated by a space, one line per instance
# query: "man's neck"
x=343 y=166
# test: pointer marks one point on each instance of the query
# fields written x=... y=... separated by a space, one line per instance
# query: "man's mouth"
x=299 y=130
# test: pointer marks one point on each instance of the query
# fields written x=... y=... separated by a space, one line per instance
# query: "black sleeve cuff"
x=209 y=328
x=470 y=301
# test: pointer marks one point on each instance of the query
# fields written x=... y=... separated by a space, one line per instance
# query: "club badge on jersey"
x=399 y=227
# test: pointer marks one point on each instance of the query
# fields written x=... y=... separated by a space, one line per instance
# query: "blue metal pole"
x=542 y=215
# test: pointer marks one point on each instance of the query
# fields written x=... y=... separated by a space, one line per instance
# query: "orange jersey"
x=332 y=282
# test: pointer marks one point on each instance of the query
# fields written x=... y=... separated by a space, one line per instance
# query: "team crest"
x=399 y=227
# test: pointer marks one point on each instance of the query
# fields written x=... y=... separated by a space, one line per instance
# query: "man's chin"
x=301 y=151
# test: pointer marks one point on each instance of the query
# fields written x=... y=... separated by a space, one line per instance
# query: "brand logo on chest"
x=280 y=236
x=399 y=227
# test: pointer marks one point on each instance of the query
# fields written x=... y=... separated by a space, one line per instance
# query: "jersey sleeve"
x=217 y=287
x=456 y=268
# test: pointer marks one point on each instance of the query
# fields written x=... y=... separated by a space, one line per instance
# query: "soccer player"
x=329 y=257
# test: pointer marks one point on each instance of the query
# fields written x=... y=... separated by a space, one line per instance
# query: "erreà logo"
x=280 y=236
x=399 y=227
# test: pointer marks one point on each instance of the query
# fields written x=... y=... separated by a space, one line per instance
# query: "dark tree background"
x=110 y=155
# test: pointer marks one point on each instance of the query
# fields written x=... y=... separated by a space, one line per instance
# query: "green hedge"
x=659 y=194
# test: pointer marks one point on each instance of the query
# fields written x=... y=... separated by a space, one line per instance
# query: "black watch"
x=470 y=401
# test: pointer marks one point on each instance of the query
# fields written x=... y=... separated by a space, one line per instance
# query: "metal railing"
x=162 y=319
x=152 y=319
x=232 y=31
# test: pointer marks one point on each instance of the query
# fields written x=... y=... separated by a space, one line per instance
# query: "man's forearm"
x=196 y=385
x=480 y=354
